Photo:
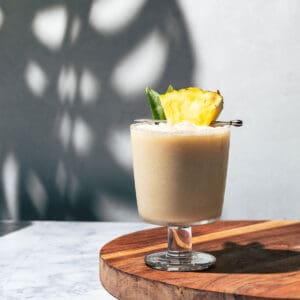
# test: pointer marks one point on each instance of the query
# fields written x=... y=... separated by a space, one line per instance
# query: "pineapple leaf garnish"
x=170 y=89
x=155 y=104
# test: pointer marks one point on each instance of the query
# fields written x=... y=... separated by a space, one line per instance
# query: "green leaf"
x=170 y=88
x=155 y=104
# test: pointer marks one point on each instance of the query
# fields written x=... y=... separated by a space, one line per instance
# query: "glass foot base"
x=195 y=262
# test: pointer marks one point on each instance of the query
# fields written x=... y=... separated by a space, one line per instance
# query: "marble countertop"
x=55 y=260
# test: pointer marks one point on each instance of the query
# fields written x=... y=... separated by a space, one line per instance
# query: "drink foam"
x=184 y=128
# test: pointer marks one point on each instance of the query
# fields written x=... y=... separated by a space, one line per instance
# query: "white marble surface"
x=56 y=260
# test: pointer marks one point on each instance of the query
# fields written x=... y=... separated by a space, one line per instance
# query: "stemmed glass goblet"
x=180 y=175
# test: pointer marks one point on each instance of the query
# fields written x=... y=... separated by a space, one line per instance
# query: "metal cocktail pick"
x=236 y=123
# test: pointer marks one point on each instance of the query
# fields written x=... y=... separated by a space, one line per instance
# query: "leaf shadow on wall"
x=70 y=87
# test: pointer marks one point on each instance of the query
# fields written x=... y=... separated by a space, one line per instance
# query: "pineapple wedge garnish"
x=191 y=104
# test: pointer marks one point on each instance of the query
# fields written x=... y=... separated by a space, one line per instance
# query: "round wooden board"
x=255 y=260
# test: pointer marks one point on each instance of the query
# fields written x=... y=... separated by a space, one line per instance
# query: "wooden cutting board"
x=255 y=260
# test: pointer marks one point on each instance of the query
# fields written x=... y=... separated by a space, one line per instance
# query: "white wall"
x=250 y=51
x=72 y=79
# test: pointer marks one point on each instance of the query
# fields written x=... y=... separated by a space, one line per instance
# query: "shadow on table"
x=253 y=258
x=8 y=227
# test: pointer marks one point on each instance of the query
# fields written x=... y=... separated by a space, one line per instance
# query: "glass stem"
x=179 y=241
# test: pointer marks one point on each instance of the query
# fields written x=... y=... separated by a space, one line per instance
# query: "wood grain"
x=255 y=260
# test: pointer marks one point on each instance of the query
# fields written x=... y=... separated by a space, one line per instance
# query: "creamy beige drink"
x=179 y=171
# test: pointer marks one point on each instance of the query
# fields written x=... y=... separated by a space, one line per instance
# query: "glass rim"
x=234 y=123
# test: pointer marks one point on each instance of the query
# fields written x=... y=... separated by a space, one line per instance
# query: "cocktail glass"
x=180 y=174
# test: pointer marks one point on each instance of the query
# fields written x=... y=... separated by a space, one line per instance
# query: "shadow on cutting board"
x=254 y=258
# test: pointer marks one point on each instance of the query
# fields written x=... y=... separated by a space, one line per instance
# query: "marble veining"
x=56 y=260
